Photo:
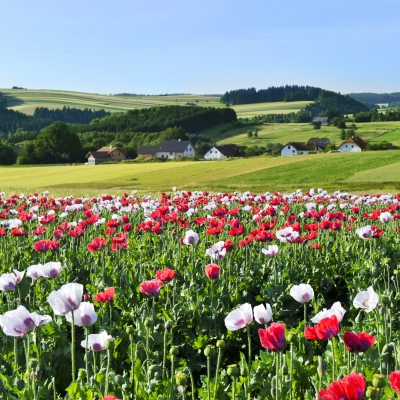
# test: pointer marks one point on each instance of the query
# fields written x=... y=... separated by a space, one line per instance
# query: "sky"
x=199 y=47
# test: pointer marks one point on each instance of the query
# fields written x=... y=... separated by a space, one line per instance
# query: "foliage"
x=3 y=101
x=70 y=115
x=374 y=116
x=7 y=154
x=376 y=97
x=375 y=146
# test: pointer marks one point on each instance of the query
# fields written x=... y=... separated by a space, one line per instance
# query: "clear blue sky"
x=205 y=46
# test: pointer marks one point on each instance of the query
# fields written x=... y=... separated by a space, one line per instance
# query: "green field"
x=27 y=100
x=284 y=133
x=367 y=171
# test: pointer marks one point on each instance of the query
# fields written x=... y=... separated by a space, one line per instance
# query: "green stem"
x=73 y=346
x=107 y=371
x=192 y=383
x=208 y=379
x=333 y=359
x=234 y=387
x=164 y=352
x=15 y=355
x=291 y=373
x=54 y=388
x=133 y=367
x=87 y=355
x=216 y=372
x=172 y=376
x=27 y=364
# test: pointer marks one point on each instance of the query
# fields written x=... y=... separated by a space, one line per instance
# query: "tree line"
x=70 y=115
x=376 y=97
x=375 y=116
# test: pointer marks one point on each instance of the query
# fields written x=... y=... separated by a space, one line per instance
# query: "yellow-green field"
x=27 y=100
x=284 y=133
x=368 y=171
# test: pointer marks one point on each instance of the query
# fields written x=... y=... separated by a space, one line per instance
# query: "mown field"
x=27 y=100
x=284 y=133
x=369 y=171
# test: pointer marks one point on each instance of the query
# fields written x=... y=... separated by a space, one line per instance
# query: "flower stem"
x=73 y=346
x=15 y=355
x=291 y=373
x=216 y=372
x=208 y=379
x=107 y=371
x=249 y=359
x=86 y=355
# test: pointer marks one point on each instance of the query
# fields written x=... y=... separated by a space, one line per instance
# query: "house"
x=321 y=142
x=353 y=144
x=224 y=151
x=298 y=148
x=320 y=121
x=105 y=154
x=168 y=149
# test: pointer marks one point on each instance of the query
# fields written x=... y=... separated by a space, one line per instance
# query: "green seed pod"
x=153 y=369
x=140 y=354
x=209 y=351
x=130 y=330
x=174 y=351
x=21 y=384
x=148 y=322
x=233 y=370
x=372 y=393
x=220 y=344
x=119 y=380
x=379 y=380
x=292 y=337
x=181 y=379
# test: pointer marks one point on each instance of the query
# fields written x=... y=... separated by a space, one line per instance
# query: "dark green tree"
x=57 y=144
x=343 y=134
x=27 y=154
x=7 y=154
x=174 y=133
x=249 y=134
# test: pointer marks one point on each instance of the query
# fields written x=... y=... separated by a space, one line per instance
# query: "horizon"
x=217 y=46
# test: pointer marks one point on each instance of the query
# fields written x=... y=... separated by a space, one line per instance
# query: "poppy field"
x=198 y=295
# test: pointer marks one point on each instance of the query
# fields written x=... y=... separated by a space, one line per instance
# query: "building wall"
x=214 y=154
x=349 y=148
x=288 y=150
x=116 y=155
x=189 y=151
x=168 y=154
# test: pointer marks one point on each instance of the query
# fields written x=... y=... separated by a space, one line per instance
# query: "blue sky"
x=206 y=46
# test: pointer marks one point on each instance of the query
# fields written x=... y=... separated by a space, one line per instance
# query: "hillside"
x=362 y=172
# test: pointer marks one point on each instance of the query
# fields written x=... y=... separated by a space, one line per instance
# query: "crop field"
x=257 y=174
x=27 y=100
x=201 y=295
x=284 y=133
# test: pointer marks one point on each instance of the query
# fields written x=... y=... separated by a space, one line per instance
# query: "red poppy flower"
x=351 y=387
x=157 y=229
x=327 y=328
x=96 y=244
x=46 y=245
x=212 y=271
x=112 y=223
x=18 y=232
x=2 y=232
x=394 y=379
x=119 y=246
x=106 y=296
x=358 y=343
x=151 y=288
x=58 y=234
x=39 y=231
x=273 y=338
x=165 y=275
x=229 y=245
x=316 y=246
x=110 y=397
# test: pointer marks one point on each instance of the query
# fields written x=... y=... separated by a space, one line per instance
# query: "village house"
x=105 y=154
x=224 y=151
x=322 y=143
x=298 y=148
x=353 y=144
x=168 y=149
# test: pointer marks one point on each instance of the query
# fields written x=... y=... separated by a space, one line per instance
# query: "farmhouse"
x=168 y=149
x=320 y=121
x=321 y=142
x=105 y=154
x=298 y=148
x=224 y=151
x=353 y=144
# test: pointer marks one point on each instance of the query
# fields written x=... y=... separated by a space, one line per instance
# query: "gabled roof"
x=147 y=149
x=356 y=140
x=109 y=149
x=178 y=146
x=97 y=154
x=303 y=146
x=230 y=150
x=320 y=119
x=321 y=142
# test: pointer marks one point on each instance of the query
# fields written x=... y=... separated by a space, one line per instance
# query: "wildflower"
x=84 y=315
x=212 y=271
x=151 y=288
x=358 y=343
x=273 y=338
x=165 y=275
x=394 y=379
x=262 y=314
x=368 y=300
x=191 y=237
x=8 y=281
x=19 y=322
x=336 y=309
x=66 y=299
x=271 y=251
x=385 y=217
x=365 y=232
x=106 y=296
x=351 y=387
x=287 y=235
x=239 y=318
x=96 y=244
x=327 y=328
x=302 y=293
x=97 y=342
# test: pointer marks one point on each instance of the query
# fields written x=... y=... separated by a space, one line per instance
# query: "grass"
x=368 y=171
x=27 y=100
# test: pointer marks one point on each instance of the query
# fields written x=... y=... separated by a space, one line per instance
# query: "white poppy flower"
x=239 y=318
x=66 y=299
x=262 y=314
x=302 y=293
x=336 y=309
x=368 y=300
x=84 y=315
x=97 y=342
x=271 y=251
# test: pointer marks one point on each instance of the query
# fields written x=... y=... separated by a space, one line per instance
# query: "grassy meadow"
x=284 y=133
x=27 y=100
x=369 y=171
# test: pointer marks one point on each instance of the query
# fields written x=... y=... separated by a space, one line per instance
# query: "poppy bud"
x=379 y=380
x=174 y=351
x=292 y=337
x=168 y=325
x=20 y=384
x=181 y=379
x=233 y=370
x=153 y=369
x=321 y=367
x=149 y=323
x=220 y=344
x=209 y=351
x=141 y=354
x=372 y=393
